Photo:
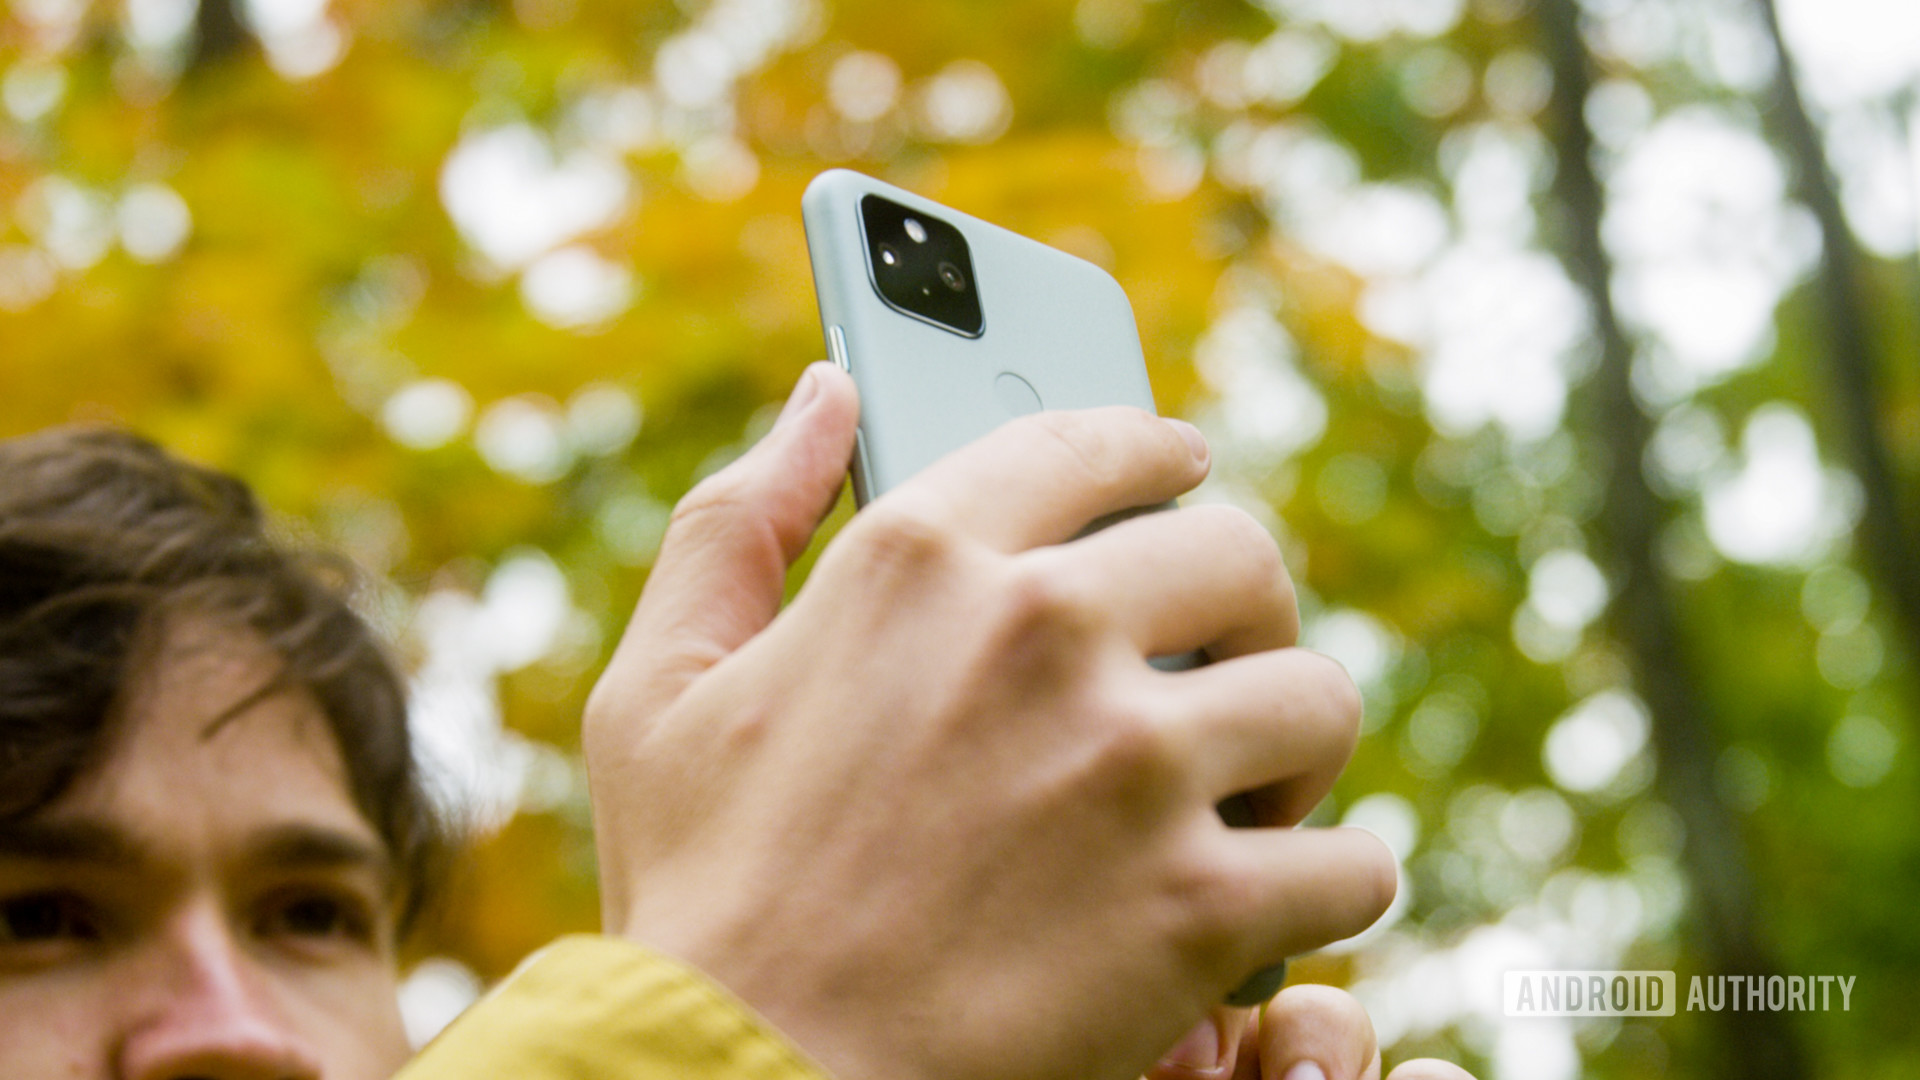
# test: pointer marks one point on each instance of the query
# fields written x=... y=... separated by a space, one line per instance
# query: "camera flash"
x=916 y=231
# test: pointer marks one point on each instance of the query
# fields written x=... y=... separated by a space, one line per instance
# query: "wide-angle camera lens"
x=888 y=255
x=952 y=278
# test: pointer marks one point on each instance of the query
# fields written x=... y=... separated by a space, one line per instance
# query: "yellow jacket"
x=588 y=1007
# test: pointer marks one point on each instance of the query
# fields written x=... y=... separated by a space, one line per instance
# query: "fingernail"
x=1305 y=1070
x=1196 y=442
x=804 y=391
x=1199 y=1050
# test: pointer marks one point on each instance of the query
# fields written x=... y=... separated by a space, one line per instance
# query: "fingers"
x=1208 y=1051
x=1320 y=1033
x=722 y=568
x=1202 y=577
x=1040 y=479
x=1278 y=725
x=1320 y=1026
x=1307 y=1032
x=1429 y=1069
x=1325 y=885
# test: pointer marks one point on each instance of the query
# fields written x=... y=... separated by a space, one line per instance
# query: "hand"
x=939 y=818
x=1307 y=1032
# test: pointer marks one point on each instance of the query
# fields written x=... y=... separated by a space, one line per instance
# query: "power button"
x=837 y=348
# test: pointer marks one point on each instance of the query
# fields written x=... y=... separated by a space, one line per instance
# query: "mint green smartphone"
x=951 y=326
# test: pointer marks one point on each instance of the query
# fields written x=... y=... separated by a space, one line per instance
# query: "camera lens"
x=920 y=266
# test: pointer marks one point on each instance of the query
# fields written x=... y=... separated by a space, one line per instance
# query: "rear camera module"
x=921 y=266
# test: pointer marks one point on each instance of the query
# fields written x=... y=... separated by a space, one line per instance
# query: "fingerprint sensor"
x=1015 y=394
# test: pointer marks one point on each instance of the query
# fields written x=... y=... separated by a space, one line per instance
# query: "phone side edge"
x=828 y=218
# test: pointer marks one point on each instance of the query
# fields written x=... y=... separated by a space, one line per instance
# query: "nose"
x=212 y=1016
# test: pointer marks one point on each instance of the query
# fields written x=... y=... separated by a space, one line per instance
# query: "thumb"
x=722 y=567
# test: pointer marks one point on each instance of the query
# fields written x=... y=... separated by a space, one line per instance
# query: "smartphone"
x=950 y=327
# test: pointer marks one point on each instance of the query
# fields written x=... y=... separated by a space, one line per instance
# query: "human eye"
x=46 y=918
x=317 y=916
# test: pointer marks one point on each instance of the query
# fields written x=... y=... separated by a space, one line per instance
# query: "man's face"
x=207 y=902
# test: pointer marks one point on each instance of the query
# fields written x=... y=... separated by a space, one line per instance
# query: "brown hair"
x=103 y=536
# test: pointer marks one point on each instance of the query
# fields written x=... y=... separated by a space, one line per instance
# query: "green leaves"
x=487 y=281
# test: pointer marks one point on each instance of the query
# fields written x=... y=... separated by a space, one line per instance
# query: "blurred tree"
x=217 y=32
x=474 y=291
x=1850 y=353
x=1724 y=918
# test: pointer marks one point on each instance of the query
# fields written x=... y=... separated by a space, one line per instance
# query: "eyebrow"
x=279 y=847
x=80 y=841
x=314 y=847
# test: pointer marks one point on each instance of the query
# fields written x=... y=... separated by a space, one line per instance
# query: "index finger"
x=1041 y=479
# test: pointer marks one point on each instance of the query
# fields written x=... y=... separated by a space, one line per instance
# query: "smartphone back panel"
x=1059 y=324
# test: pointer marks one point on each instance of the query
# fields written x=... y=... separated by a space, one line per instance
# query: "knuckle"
x=1040 y=625
x=712 y=504
x=1348 y=706
x=1140 y=754
x=610 y=731
x=602 y=703
x=597 y=716
x=1340 y=699
x=1259 y=553
x=1096 y=444
x=1134 y=761
x=1041 y=594
x=1379 y=880
x=898 y=535
x=1218 y=906
x=1253 y=546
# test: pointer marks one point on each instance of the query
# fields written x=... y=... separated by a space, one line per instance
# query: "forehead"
x=208 y=743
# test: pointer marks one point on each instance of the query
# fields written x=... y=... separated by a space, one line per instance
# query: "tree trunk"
x=1852 y=363
x=218 y=33
x=1753 y=1045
